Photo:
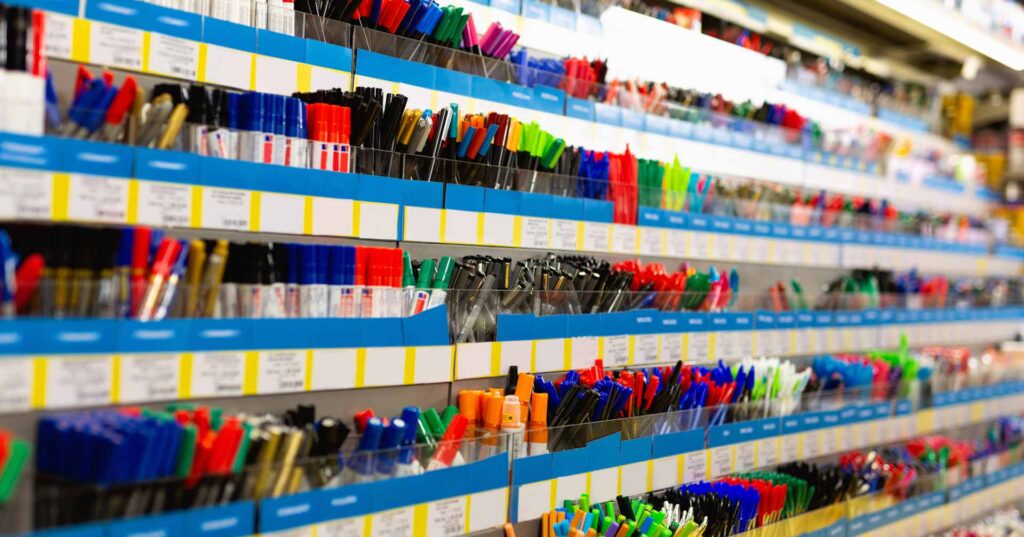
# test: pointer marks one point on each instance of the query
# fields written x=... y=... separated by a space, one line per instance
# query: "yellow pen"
x=209 y=289
x=174 y=124
x=194 y=274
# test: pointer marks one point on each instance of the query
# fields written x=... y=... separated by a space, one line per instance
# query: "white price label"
x=721 y=461
x=702 y=244
x=563 y=234
x=616 y=350
x=149 y=377
x=59 y=35
x=584 y=351
x=646 y=349
x=746 y=456
x=768 y=451
x=535 y=232
x=595 y=236
x=216 y=374
x=721 y=246
x=25 y=194
x=16 y=375
x=698 y=351
x=173 y=56
x=79 y=381
x=226 y=208
x=447 y=517
x=97 y=199
x=281 y=371
x=725 y=345
x=394 y=523
x=342 y=528
x=812 y=444
x=790 y=448
x=624 y=239
x=115 y=46
x=651 y=240
x=695 y=467
x=164 y=204
x=671 y=347
x=830 y=440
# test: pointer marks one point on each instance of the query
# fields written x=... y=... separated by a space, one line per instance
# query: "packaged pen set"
x=141 y=273
x=22 y=69
x=480 y=288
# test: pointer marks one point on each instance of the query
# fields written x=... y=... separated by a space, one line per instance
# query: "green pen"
x=439 y=288
x=449 y=412
x=584 y=502
x=16 y=457
x=187 y=450
x=243 y=448
x=434 y=423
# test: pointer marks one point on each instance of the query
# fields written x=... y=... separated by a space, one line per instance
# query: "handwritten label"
x=164 y=204
x=15 y=384
x=535 y=232
x=217 y=374
x=115 y=46
x=149 y=377
x=173 y=56
x=226 y=208
x=79 y=381
x=25 y=194
x=281 y=371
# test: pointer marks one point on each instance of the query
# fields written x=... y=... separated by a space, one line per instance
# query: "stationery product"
x=25 y=101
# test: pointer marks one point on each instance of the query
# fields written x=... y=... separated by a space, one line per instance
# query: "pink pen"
x=469 y=38
x=510 y=42
x=490 y=36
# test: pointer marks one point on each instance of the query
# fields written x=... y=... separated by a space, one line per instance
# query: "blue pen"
x=8 y=269
x=361 y=461
x=291 y=288
x=171 y=285
x=387 y=456
x=336 y=281
x=81 y=108
x=52 y=104
x=296 y=153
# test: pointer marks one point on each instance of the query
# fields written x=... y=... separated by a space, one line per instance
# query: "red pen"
x=140 y=260
x=166 y=254
x=113 y=124
x=448 y=447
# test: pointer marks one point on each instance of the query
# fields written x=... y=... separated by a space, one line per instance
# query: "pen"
x=168 y=294
x=163 y=263
x=209 y=290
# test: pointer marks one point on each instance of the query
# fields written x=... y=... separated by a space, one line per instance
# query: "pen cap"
x=295 y=118
x=278 y=116
x=307 y=264
x=491 y=405
x=349 y=263
x=322 y=255
x=539 y=409
x=140 y=248
x=426 y=274
x=292 y=252
x=524 y=387
x=411 y=416
x=335 y=274
x=449 y=445
x=372 y=434
x=437 y=428
x=444 y=273
x=362 y=418
x=469 y=405
x=510 y=412
x=345 y=124
x=359 y=268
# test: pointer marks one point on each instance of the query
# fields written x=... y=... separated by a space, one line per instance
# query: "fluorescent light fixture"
x=949 y=23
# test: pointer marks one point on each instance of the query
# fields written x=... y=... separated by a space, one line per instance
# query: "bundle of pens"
x=417 y=441
x=578 y=77
x=99 y=465
x=481 y=287
x=771 y=388
x=894 y=476
x=14 y=453
x=956 y=368
x=23 y=69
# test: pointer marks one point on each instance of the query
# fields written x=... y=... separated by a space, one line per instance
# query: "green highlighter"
x=19 y=451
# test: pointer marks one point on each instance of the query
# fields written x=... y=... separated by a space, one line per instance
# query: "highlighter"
x=422 y=295
x=469 y=405
x=491 y=405
x=407 y=463
x=439 y=288
x=538 y=424
x=393 y=435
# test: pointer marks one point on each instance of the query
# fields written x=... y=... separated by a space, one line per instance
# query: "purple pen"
x=612 y=530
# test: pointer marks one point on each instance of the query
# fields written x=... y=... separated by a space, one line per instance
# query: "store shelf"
x=54 y=179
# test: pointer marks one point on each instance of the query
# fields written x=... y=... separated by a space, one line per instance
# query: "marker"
x=448 y=448
x=209 y=290
x=176 y=273
x=442 y=280
x=512 y=425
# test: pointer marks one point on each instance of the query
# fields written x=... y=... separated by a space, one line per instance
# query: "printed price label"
x=79 y=381
x=97 y=199
x=702 y=245
x=217 y=374
x=616 y=350
x=584 y=350
x=646 y=349
x=281 y=372
x=671 y=347
x=624 y=239
x=675 y=243
x=173 y=56
x=746 y=458
x=149 y=377
x=15 y=384
x=651 y=239
x=595 y=236
x=725 y=345
x=695 y=467
x=563 y=234
x=743 y=344
x=812 y=444
x=768 y=451
x=759 y=249
x=721 y=246
x=790 y=448
x=59 y=35
x=25 y=194
x=394 y=523
x=164 y=204
x=830 y=440
x=721 y=461
x=115 y=46
x=342 y=528
x=226 y=208
x=535 y=232
x=699 y=343
x=447 y=517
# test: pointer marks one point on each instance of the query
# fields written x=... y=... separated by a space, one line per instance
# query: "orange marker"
x=469 y=405
x=538 y=424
